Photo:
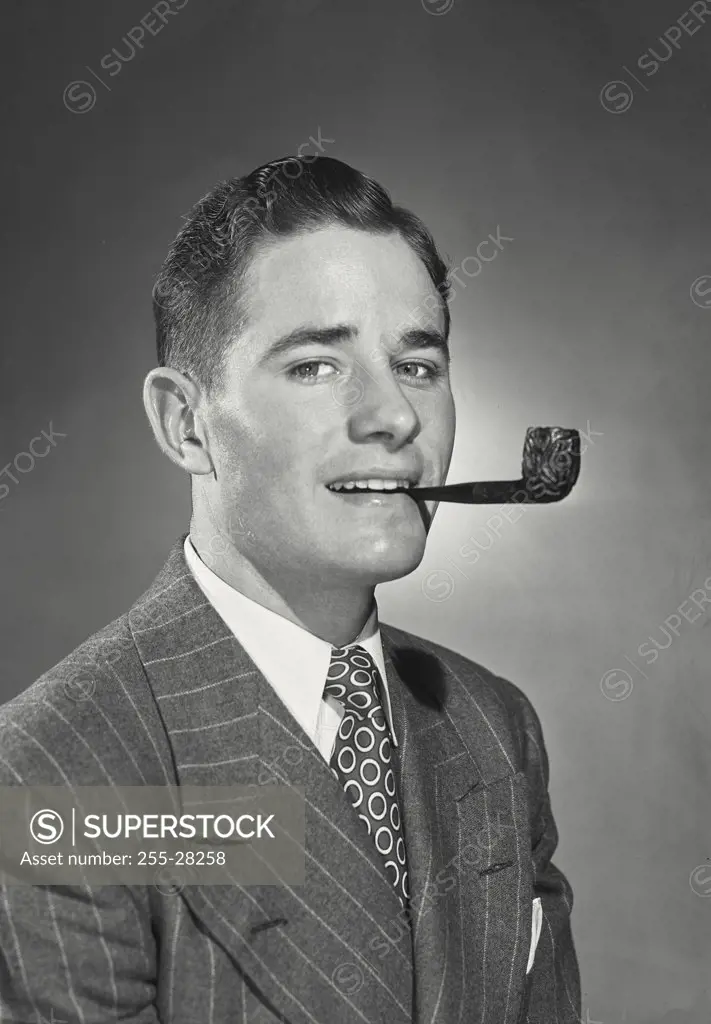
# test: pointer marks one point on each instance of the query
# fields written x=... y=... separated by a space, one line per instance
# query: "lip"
x=378 y=474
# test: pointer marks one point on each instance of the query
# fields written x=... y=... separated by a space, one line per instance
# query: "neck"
x=336 y=613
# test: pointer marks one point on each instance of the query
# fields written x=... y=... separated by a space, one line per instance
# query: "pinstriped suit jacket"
x=178 y=701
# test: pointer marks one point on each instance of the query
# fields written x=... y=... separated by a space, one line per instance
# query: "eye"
x=432 y=371
x=296 y=371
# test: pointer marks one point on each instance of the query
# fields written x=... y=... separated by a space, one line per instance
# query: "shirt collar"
x=294 y=661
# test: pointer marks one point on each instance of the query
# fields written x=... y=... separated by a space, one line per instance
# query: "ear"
x=172 y=402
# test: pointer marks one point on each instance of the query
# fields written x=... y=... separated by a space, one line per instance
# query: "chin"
x=385 y=562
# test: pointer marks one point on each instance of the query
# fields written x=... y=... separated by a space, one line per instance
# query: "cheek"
x=450 y=416
x=262 y=458
x=439 y=424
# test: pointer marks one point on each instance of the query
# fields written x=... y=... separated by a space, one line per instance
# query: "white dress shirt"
x=293 y=661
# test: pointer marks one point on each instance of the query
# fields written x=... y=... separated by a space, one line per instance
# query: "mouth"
x=374 y=490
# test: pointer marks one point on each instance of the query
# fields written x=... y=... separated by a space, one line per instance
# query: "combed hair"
x=196 y=298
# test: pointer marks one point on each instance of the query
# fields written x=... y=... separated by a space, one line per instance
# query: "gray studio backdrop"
x=551 y=126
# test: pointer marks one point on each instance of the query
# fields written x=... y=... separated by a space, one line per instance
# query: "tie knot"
x=353 y=679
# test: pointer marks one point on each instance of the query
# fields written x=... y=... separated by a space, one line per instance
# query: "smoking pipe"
x=550 y=467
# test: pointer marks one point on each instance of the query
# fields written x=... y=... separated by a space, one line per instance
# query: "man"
x=303 y=382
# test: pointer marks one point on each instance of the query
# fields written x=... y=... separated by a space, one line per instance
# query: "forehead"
x=338 y=274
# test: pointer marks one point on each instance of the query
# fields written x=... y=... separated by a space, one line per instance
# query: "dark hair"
x=196 y=294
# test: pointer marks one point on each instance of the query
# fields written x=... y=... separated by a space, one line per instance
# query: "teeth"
x=373 y=484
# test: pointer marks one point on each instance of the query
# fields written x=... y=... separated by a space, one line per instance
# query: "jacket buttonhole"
x=493 y=868
x=268 y=924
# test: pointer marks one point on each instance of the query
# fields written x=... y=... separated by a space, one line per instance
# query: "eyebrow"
x=339 y=333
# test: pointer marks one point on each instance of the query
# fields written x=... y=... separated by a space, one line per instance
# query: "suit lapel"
x=468 y=843
x=314 y=953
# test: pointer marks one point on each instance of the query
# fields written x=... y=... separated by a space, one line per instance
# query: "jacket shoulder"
x=91 y=719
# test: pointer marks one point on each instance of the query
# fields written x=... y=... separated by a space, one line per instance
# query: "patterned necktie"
x=361 y=756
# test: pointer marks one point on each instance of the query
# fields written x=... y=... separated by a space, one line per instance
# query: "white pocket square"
x=535 y=930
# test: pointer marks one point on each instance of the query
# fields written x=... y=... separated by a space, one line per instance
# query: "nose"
x=379 y=410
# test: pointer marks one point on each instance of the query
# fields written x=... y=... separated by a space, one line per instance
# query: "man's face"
x=371 y=398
